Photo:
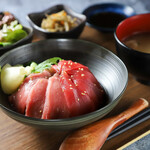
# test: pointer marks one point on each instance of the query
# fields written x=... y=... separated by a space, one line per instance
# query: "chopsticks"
x=135 y=120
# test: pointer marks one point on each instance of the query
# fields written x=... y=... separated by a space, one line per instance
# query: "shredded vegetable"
x=58 y=22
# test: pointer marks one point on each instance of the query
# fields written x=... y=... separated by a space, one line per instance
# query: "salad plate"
x=23 y=41
x=12 y=32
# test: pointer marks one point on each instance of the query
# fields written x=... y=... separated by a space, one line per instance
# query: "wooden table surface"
x=16 y=136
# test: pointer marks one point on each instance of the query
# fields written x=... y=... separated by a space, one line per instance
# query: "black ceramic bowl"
x=107 y=67
x=35 y=20
x=106 y=16
x=25 y=40
x=138 y=63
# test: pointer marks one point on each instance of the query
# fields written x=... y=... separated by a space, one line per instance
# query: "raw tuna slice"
x=36 y=99
x=69 y=90
x=71 y=94
x=18 y=99
x=87 y=84
x=55 y=103
x=87 y=94
x=65 y=65
x=86 y=105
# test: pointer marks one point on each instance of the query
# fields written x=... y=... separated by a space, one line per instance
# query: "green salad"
x=12 y=33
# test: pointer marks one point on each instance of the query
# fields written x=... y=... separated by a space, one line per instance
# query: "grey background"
x=142 y=144
x=20 y=8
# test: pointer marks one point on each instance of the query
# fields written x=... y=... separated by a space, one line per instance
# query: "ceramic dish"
x=110 y=14
x=107 y=68
x=25 y=40
x=35 y=20
x=137 y=62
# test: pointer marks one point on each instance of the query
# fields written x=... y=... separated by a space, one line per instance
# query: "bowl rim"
x=122 y=44
x=66 y=7
x=113 y=4
x=29 y=35
x=68 y=121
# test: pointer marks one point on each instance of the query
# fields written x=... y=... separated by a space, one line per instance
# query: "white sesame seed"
x=82 y=93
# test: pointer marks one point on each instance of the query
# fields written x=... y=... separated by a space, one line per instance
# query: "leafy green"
x=14 y=36
x=5 y=43
x=45 y=64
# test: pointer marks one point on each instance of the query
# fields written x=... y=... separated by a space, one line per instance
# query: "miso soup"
x=139 y=41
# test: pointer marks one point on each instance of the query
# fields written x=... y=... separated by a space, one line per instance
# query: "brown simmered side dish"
x=59 y=22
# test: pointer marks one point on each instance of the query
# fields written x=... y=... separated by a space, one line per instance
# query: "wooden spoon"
x=93 y=136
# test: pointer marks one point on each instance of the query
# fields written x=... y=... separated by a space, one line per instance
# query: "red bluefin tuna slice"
x=55 y=103
x=69 y=90
x=71 y=94
x=18 y=99
x=87 y=84
x=36 y=99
